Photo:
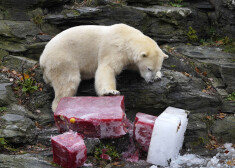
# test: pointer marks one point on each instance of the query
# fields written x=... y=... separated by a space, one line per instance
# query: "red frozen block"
x=143 y=128
x=94 y=117
x=69 y=150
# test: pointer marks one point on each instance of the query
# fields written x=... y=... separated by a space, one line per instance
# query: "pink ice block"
x=69 y=150
x=94 y=117
x=143 y=128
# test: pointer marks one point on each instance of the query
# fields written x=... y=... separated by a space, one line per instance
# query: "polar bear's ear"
x=143 y=54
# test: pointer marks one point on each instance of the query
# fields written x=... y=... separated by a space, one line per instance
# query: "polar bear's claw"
x=110 y=92
x=158 y=76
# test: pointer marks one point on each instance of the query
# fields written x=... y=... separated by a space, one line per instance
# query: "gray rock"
x=17 y=63
x=217 y=64
x=24 y=161
x=44 y=135
x=224 y=17
x=18 y=29
x=164 y=24
x=6 y=94
x=17 y=129
x=224 y=129
x=90 y=144
x=35 y=50
x=146 y=2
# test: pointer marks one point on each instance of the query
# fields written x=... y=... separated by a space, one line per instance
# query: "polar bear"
x=85 y=52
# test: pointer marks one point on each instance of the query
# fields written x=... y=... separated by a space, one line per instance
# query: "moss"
x=3 y=53
x=199 y=141
x=230 y=48
x=231 y=97
x=38 y=20
x=106 y=149
x=192 y=34
x=2 y=109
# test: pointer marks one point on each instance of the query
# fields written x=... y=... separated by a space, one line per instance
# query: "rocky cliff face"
x=197 y=78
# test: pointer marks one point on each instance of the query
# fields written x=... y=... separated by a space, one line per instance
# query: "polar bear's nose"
x=151 y=81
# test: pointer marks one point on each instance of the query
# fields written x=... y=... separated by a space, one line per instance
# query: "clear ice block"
x=167 y=137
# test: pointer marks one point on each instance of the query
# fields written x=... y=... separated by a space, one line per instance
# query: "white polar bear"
x=84 y=52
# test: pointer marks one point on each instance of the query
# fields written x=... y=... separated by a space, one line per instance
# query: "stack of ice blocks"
x=168 y=136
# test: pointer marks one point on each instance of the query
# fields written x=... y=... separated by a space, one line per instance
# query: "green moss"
x=199 y=141
x=230 y=48
x=192 y=34
x=4 y=145
x=38 y=20
x=176 y=3
x=173 y=66
x=2 y=109
x=231 y=97
x=108 y=150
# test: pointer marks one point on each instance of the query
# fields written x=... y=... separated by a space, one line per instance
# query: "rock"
x=224 y=17
x=6 y=94
x=146 y=2
x=214 y=63
x=196 y=134
x=44 y=38
x=25 y=160
x=164 y=24
x=229 y=3
x=17 y=63
x=45 y=134
x=227 y=74
x=35 y=50
x=224 y=129
x=17 y=129
x=91 y=143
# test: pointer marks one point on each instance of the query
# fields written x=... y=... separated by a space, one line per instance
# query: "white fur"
x=84 y=52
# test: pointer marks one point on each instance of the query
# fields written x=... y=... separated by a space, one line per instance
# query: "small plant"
x=192 y=34
x=106 y=152
x=38 y=20
x=226 y=40
x=28 y=85
x=173 y=66
x=2 y=109
x=176 y=3
x=2 y=142
x=4 y=145
x=231 y=97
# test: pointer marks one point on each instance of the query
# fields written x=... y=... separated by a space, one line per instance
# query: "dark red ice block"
x=99 y=117
x=69 y=150
x=143 y=128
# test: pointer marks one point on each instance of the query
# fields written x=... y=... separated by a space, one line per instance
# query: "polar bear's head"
x=149 y=58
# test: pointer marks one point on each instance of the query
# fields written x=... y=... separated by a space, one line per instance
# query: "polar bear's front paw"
x=106 y=92
x=158 y=76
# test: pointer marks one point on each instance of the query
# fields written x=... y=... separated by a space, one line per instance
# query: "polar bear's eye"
x=149 y=69
x=144 y=54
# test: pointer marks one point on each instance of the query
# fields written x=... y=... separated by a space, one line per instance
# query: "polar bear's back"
x=80 y=46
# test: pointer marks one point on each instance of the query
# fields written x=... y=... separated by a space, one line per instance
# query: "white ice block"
x=168 y=136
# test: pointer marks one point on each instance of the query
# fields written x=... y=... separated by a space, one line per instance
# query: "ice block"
x=94 y=117
x=167 y=137
x=143 y=128
x=69 y=150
